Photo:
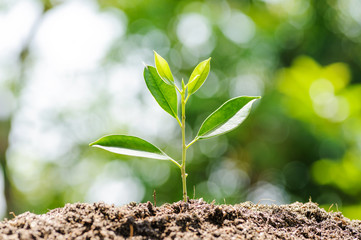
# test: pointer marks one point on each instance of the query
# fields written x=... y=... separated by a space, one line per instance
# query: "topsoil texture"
x=193 y=220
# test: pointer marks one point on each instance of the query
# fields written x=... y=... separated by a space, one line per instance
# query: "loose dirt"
x=193 y=220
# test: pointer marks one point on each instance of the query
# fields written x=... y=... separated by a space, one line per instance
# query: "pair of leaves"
x=196 y=80
x=226 y=118
x=160 y=83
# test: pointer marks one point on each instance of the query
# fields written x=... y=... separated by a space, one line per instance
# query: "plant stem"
x=179 y=122
x=193 y=141
x=184 y=146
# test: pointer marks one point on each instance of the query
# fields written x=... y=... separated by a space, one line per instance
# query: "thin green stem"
x=187 y=99
x=184 y=147
x=179 y=122
x=177 y=89
x=176 y=162
x=193 y=141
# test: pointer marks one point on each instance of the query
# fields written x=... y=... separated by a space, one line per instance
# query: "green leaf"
x=163 y=69
x=131 y=146
x=227 y=117
x=199 y=76
x=164 y=94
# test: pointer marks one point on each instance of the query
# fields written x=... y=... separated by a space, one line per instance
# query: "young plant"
x=160 y=82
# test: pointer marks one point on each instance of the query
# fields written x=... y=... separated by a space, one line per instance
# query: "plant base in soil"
x=195 y=219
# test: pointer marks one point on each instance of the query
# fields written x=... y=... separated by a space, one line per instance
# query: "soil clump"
x=195 y=219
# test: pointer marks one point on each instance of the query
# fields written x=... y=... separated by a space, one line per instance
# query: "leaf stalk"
x=179 y=122
x=186 y=99
x=176 y=163
x=193 y=141
x=177 y=88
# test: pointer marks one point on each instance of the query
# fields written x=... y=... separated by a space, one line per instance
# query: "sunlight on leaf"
x=227 y=117
x=199 y=76
x=163 y=69
x=163 y=93
x=131 y=146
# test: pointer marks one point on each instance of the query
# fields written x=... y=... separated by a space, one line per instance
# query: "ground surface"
x=194 y=220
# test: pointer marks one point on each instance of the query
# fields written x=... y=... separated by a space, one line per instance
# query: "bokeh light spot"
x=238 y=27
x=193 y=30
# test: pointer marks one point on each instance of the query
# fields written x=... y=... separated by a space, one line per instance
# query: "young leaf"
x=164 y=94
x=202 y=70
x=131 y=146
x=163 y=69
x=227 y=117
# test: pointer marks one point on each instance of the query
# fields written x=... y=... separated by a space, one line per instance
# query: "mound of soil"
x=195 y=219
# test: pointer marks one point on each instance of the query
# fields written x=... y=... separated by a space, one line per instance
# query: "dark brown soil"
x=193 y=220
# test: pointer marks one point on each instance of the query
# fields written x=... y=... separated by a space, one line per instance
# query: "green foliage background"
x=303 y=139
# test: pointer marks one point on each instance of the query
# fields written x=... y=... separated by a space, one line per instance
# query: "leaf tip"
x=146 y=67
x=156 y=55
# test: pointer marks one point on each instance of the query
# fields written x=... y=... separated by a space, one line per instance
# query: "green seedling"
x=160 y=82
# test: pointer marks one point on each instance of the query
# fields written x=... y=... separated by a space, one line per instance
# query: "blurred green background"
x=71 y=71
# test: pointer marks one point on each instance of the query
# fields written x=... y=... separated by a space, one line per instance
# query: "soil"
x=195 y=219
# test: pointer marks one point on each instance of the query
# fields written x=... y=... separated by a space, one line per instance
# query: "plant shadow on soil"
x=195 y=219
